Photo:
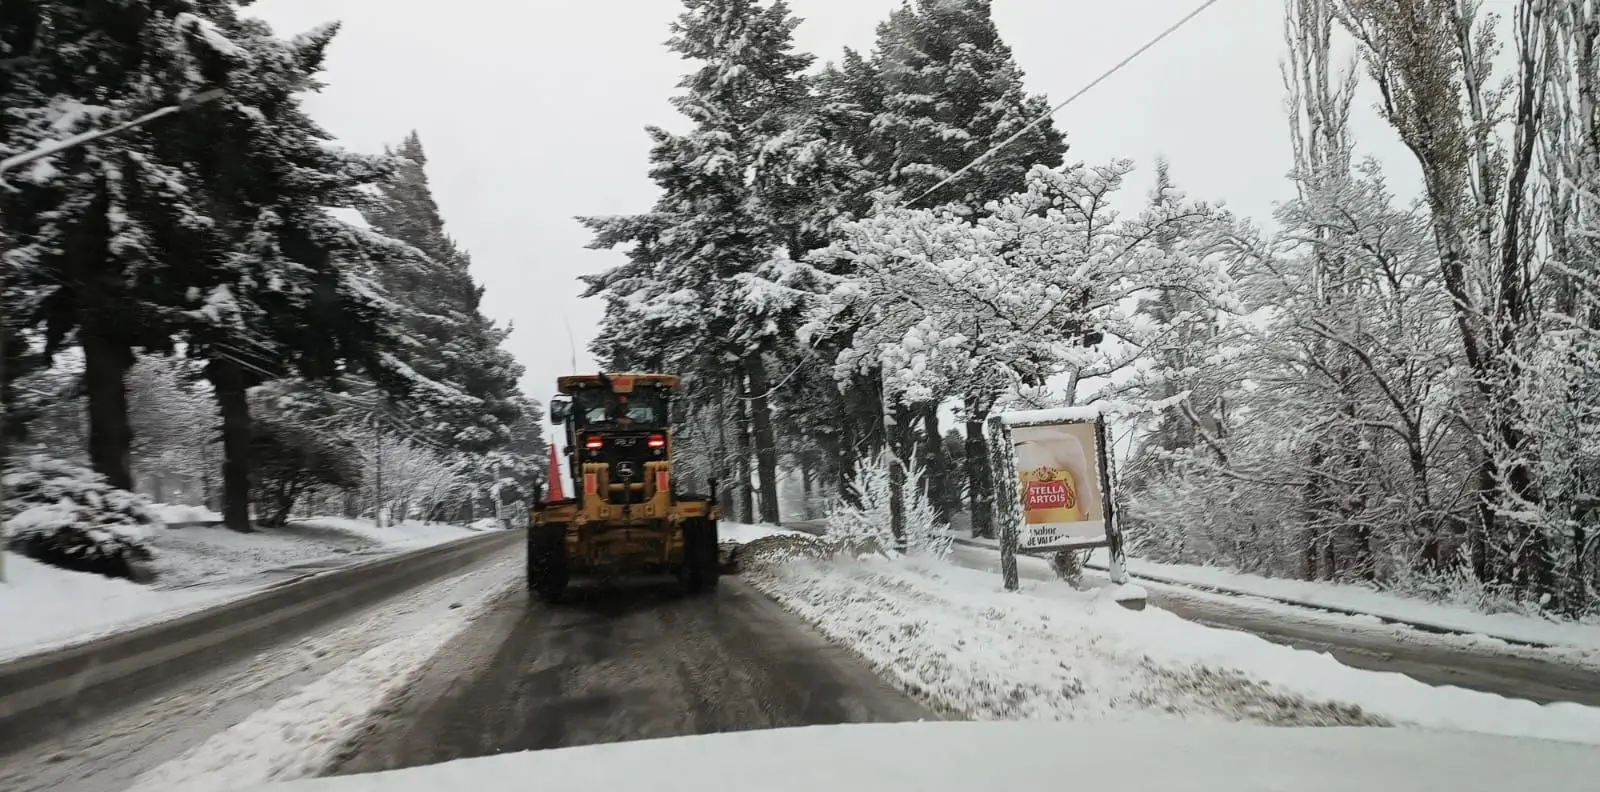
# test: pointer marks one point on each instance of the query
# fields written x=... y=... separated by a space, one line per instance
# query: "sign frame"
x=1009 y=513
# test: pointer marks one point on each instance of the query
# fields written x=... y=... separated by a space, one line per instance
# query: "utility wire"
x=984 y=157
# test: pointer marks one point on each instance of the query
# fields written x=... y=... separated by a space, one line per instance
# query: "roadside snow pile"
x=1579 y=635
x=198 y=555
x=42 y=606
x=408 y=534
x=740 y=533
x=206 y=555
x=952 y=637
x=173 y=513
x=68 y=516
x=195 y=566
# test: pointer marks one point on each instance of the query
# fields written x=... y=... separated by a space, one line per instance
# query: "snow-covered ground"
x=953 y=637
x=196 y=566
x=740 y=533
x=1515 y=626
x=176 y=513
x=213 y=554
x=42 y=606
x=1577 y=642
x=987 y=559
x=276 y=716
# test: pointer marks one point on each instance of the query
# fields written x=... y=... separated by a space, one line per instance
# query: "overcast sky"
x=533 y=111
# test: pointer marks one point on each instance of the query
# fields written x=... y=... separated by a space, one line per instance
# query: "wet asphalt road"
x=634 y=660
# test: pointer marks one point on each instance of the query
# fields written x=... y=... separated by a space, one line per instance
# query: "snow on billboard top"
x=1054 y=415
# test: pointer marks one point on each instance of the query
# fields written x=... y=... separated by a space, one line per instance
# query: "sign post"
x=1053 y=487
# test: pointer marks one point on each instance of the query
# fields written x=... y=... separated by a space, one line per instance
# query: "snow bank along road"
x=278 y=713
x=632 y=661
x=1435 y=660
x=45 y=694
x=1372 y=647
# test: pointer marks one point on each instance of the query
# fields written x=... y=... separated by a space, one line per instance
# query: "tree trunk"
x=378 y=510
x=980 y=488
x=208 y=481
x=741 y=447
x=102 y=300
x=227 y=381
x=894 y=453
x=935 y=470
x=289 y=496
x=765 y=439
x=106 y=362
x=805 y=491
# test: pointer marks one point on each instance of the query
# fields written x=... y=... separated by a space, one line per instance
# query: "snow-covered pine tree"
x=709 y=226
x=99 y=237
x=281 y=288
x=950 y=90
x=446 y=337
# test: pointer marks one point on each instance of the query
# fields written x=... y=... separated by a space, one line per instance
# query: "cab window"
x=645 y=407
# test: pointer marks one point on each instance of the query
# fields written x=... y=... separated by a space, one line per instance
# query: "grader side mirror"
x=559 y=411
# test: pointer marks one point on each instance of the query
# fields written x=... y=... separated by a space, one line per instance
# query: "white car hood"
x=1115 y=756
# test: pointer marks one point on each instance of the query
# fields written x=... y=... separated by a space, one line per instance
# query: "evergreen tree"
x=280 y=288
x=712 y=228
x=100 y=239
x=446 y=338
x=940 y=89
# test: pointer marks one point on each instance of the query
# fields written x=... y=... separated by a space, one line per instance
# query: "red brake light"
x=593 y=443
x=657 y=441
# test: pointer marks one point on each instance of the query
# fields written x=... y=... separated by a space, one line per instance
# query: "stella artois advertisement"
x=1059 y=479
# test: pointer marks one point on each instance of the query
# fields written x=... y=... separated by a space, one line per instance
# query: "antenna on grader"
x=572 y=346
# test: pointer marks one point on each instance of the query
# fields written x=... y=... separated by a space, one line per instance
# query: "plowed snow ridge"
x=953 y=637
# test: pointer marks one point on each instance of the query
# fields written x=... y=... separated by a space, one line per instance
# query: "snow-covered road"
x=280 y=714
x=468 y=666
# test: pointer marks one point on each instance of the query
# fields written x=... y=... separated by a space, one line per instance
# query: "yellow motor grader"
x=625 y=515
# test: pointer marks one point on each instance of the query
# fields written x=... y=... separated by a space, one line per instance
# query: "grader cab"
x=626 y=515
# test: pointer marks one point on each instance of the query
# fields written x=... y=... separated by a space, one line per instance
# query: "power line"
x=1173 y=28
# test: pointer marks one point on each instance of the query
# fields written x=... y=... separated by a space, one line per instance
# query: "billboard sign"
x=1058 y=479
x=1053 y=486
